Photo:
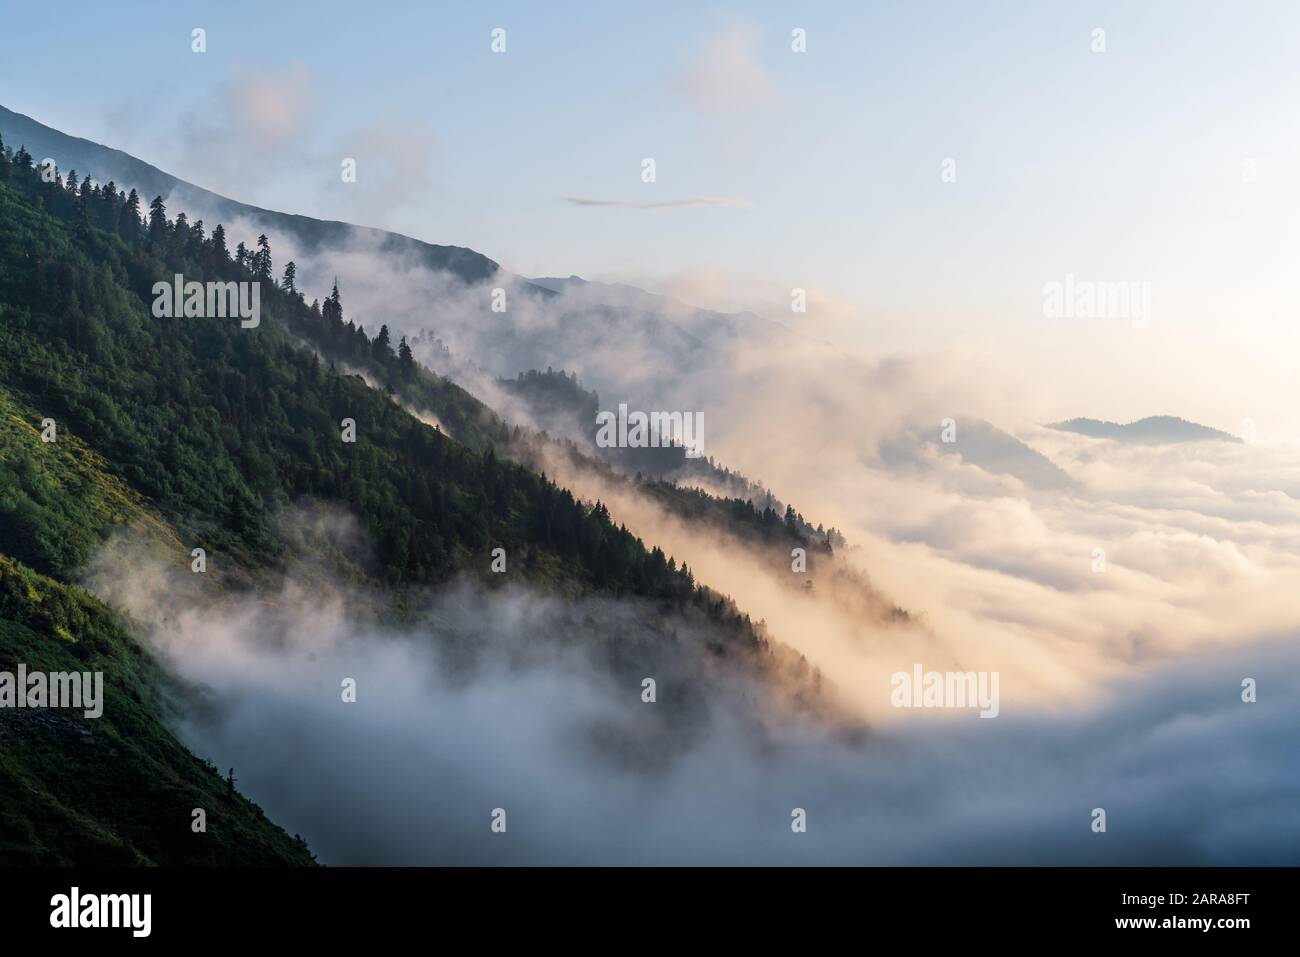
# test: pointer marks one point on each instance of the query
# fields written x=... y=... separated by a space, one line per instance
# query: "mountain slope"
x=545 y=321
x=981 y=444
x=201 y=432
x=119 y=789
x=220 y=425
x=107 y=164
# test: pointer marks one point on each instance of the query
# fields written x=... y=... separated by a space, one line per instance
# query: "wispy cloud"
x=392 y=164
x=724 y=74
x=729 y=202
x=237 y=140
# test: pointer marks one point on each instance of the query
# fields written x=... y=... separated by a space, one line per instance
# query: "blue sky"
x=1125 y=165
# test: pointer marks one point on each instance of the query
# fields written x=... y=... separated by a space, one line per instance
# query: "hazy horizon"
x=821 y=170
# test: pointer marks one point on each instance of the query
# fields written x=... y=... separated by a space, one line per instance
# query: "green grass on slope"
x=118 y=789
x=58 y=500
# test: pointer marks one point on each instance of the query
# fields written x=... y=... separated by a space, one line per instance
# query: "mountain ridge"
x=1151 y=430
x=107 y=163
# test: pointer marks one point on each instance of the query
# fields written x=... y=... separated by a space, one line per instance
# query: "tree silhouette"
x=405 y=360
x=262 y=258
x=158 y=222
x=383 y=346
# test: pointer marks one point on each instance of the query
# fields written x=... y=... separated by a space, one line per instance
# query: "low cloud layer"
x=1098 y=600
x=496 y=700
x=1198 y=540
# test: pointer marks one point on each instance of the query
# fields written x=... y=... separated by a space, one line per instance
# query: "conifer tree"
x=180 y=234
x=218 y=252
x=129 y=224
x=262 y=258
x=195 y=244
x=332 y=309
x=108 y=211
x=383 y=345
x=405 y=360
x=157 y=221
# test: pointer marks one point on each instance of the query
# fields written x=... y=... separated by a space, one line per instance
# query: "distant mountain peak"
x=1152 y=430
x=983 y=445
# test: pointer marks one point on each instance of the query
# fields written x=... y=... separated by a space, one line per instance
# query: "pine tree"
x=129 y=225
x=262 y=258
x=405 y=360
x=217 y=250
x=157 y=221
x=332 y=309
x=108 y=207
x=180 y=234
x=383 y=346
x=290 y=276
x=195 y=244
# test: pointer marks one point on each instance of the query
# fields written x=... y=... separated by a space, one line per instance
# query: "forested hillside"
x=197 y=432
x=219 y=425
